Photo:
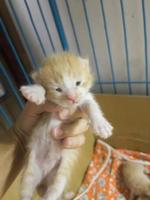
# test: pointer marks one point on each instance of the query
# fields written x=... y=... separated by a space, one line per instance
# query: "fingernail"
x=57 y=132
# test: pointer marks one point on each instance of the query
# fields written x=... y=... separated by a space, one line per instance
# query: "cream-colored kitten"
x=64 y=79
x=136 y=180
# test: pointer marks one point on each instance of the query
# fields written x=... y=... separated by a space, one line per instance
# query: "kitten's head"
x=65 y=77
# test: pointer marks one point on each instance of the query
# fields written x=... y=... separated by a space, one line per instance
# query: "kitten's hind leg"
x=59 y=185
x=55 y=191
x=32 y=177
x=47 y=181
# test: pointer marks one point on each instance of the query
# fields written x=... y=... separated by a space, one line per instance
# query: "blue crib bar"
x=6 y=117
x=11 y=85
x=3 y=29
x=58 y=22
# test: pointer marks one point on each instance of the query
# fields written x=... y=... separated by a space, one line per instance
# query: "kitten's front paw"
x=34 y=93
x=102 y=128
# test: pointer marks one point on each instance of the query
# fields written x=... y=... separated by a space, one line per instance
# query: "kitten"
x=136 y=180
x=64 y=79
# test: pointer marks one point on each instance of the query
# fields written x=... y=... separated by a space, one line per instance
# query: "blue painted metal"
x=45 y=23
x=92 y=43
x=59 y=25
x=3 y=29
x=108 y=45
x=6 y=117
x=11 y=85
x=73 y=27
x=35 y=29
x=145 y=46
x=22 y=34
x=126 y=46
x=61 y=32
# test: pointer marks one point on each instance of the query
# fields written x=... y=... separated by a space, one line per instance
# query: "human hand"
x=72 y=129
x=70 y=132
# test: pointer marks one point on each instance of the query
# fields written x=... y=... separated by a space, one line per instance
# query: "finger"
x=73 y=142
x=50 y=107
x=75 y=128
x=66 y=114
x=78 y=114
x=70 y=129
x=57 y=133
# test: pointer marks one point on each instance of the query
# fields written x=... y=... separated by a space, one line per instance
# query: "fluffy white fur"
x=34 y=93
x=42 y=141
x=48 y=164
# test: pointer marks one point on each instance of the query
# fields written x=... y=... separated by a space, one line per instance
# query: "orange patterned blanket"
x=109 y=184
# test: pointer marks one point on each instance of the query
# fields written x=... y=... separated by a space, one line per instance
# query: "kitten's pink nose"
x=71 y=98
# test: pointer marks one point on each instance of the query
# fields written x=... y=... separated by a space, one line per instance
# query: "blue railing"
x=54 y=14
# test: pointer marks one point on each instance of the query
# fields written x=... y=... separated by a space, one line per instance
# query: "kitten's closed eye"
x=78 y=83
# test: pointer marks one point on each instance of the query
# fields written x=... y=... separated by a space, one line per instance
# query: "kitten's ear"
x=84 y=62
x=34 y=93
